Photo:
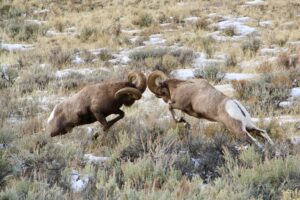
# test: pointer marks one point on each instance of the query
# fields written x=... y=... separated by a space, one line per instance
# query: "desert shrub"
x=5 y=168
x=265 y=67
x=264 y=94
x=202 y=23
x=207 y=44
x=59 y=57
x=165 y=59
x=211 y=73
x=75 y=80
x=251 y=46
x=8 y=76
x=259 y=179
x=34 y=78
x=87 y=33
x=169 y=63
x=143 y=20
x=32 y=190
x=6 y=135
x=231 y=60
x=10 y=11
x=283 y=60
x=24 y=31
x=287 y=61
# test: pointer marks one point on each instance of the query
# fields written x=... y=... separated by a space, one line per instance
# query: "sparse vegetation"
x=147 y=155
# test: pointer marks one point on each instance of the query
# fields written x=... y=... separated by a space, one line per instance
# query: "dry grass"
x=150 y=156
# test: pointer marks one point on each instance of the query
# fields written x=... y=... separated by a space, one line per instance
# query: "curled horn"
x=155 y=79
x=135 y=93
x=139 y=80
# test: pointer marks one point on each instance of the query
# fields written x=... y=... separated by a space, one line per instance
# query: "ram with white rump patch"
x=198 y=98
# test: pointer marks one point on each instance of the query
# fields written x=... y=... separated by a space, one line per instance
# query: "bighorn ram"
x=96 y=102
x=198 y=98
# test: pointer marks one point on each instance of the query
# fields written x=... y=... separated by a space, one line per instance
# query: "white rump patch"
x=237 y=111
x=52 y=114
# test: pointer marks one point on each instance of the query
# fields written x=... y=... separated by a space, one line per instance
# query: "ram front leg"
x=178 y=119
x=111 y=122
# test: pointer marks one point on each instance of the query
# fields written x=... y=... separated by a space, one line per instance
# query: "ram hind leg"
x=263 y=134
x=239 y=129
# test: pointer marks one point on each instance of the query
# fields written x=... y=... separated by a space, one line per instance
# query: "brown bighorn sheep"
x=96 y=102
x=198 y=98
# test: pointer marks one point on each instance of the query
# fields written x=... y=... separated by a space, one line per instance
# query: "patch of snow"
x=16 y=47
x=35 y=21
x=248 y=64
x=191 y=19
x=295 y=140
x=238 y=24
x=67 y=72
x=91 y=159
x=255 y=3
x=77 y=60
x=165 y=24
x=197 y=161
x=155 y=40
x=272 y=51
x=241 y=30
x=240 y=76
x=183 y=73
x=41 y=11
x=134 y=39
x=121 y=57
x=202 y=61
x=71 y=29
x=98 y=51
x=4 y=146
x=132 y=32
x=78 y=184
x=68 y=31
x=44 y=65
x=285 y=104
x=295 y=92
x=295 y=43
x=266 y=23
x=281 y=119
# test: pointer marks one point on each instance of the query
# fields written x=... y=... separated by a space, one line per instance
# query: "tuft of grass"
x=88 y=33
x=59 y=57
x=251 y=46
x=143 y=19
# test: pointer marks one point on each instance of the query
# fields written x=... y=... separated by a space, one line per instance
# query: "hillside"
x=49 y=50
